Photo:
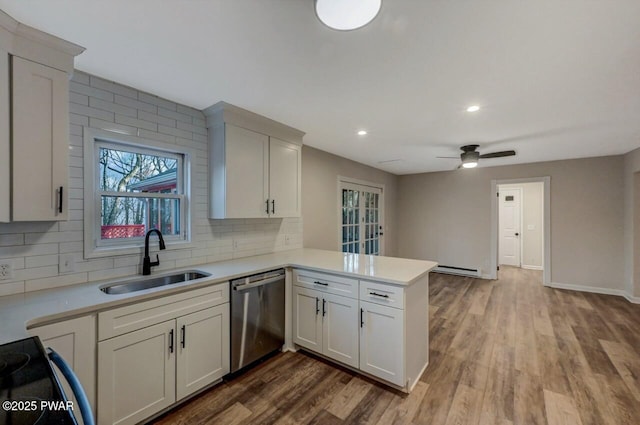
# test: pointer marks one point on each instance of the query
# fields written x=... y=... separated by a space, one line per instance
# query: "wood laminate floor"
x=502 y=352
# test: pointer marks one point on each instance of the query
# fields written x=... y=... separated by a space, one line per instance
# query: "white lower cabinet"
x=381 y=342
x=381 y=329
x=340 y=329
x=151 y=367
x=203 y=353
x=136 y=374
x=327 y=324
x=75 y=341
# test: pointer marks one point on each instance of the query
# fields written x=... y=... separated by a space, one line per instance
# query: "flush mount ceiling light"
x=473 y=108
x=470 y=164
x=362 y=133
x=347 y=15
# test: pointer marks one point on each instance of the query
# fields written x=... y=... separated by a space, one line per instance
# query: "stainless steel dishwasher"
x=257 y=317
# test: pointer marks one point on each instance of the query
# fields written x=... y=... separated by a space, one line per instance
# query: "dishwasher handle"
x=262 y=282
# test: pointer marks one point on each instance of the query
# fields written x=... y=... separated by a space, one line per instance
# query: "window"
x=361 y=217
x=134 y=186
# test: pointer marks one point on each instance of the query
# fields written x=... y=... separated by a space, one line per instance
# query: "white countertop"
x=18 y=312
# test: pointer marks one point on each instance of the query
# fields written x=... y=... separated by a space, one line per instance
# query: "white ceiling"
x=555 y=79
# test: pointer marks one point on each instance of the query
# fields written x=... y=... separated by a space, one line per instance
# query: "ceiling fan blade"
x=498 y=154
x=448 y=157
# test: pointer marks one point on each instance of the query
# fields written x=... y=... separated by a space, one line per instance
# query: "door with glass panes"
x=362 y=225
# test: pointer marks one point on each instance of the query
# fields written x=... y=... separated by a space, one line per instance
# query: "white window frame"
x=94 y=246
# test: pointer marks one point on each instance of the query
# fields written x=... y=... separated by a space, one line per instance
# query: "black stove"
x=26 y=379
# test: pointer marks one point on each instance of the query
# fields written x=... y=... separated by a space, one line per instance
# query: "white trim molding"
x=531 y=267
x=546 y=235
x=594 y=290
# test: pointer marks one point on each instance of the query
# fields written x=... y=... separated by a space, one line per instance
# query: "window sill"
x=137 y=249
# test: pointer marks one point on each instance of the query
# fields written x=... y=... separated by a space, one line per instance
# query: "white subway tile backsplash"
x=11 y=288
x=157 y=136
x=176 y=116
x=113 y=126
x=11 y=239
x=146 y=116
x=34 y=248
x=136 y=104
x=91 y=112
x=190 y=111
x=155 y=100
x=81 y=77
x=55 y=281
x=41 y=261
x=76 y=87
x=175 y=132
x=112 y=107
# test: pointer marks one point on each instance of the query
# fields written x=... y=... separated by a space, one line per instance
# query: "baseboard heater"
x=463 y=271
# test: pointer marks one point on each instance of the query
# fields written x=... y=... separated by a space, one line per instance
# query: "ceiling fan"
x=470 y=156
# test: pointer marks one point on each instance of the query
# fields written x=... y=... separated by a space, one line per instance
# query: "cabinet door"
x=340 y=329
x=40 y=142
x=307 y=318
x=136 y=374
x=247 y=173
x=382 y=342
x=284 y=178
x=203 y=349
x=5 y=151
x=75 y=341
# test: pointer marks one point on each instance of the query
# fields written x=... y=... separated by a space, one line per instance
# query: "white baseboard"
x=632 y=299
x=595 y=290
x=531 y=267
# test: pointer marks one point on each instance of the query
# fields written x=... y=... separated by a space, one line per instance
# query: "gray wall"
x=632 y=222
x=445 y=217
x=320 y=171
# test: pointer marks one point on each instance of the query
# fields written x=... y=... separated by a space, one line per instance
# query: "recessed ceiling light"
x=362 y=133
x=473 y=108
x=347 y=14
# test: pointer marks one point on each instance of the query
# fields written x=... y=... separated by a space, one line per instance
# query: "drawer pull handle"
x=375 y=294
x=317 y=306
x=361 y=317
x=323 y=309
x=267 y=202
x=171 y=341
x=317 y=282
x=183 y=336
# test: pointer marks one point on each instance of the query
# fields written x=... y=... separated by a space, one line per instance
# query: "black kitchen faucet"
x=147 y=264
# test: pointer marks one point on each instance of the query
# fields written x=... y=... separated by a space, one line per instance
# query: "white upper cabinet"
x=40 y=151
x=285 y=160
x=254 y=165
x=5 y=131
x=35 y=68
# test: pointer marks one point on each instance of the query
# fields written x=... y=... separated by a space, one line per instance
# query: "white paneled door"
x=509 y=226
x=362 y=213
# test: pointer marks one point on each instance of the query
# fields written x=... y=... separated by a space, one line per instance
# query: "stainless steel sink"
x=152 y=282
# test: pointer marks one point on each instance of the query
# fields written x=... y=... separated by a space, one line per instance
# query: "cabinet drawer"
x=140 y=315
x=379 y=293
x=332 y=284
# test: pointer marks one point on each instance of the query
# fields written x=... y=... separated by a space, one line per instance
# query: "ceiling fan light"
x=470 y=164
x=347 y=15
